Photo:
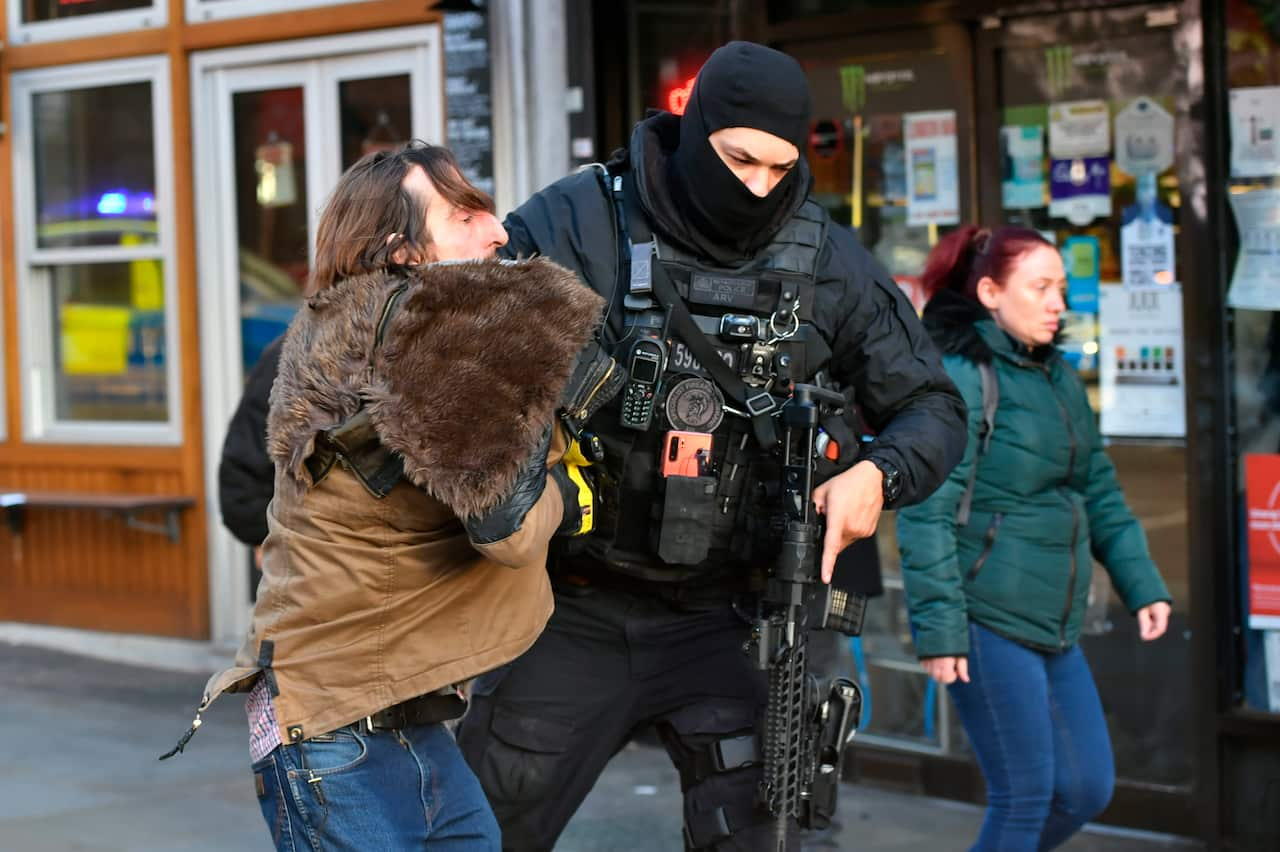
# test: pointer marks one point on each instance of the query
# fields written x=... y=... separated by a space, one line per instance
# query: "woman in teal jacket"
x=997 y=599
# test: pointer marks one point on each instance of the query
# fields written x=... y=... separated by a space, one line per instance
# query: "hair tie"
x=982 y=241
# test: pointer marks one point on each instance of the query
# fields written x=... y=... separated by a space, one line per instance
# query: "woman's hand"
x=852 y=502
x=945 y=670
x=1153 y=620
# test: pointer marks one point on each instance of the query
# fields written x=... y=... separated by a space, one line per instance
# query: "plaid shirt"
x=264 y=731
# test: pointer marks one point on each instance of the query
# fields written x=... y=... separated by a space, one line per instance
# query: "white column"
x=530 y=76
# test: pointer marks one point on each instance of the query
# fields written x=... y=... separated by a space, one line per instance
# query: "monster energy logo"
x=1057 y=60
x=853 y=87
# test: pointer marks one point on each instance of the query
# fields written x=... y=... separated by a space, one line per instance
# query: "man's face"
x=455 y=234
x=759 y=159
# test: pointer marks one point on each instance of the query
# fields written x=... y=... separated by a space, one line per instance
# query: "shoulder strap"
x=990 y=402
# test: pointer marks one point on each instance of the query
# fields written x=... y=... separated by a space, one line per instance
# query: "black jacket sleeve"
x=572 y=222
x=881 y=350
x=246 y=475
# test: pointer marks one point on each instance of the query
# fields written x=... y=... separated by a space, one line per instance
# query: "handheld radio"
x=644 y=372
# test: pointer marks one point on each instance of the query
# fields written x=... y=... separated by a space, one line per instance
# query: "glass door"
x=275 y=127
x=1086 y=116
x=891 y=153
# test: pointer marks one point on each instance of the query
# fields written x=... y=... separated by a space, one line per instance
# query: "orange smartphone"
x=686 y=453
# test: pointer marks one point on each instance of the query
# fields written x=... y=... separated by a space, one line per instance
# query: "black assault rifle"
x=806 y=723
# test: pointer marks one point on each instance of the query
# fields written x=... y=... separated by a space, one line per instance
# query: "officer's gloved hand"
x=576 y=489
x=504 y=519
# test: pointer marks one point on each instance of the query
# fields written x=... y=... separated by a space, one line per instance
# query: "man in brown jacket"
x=412 y=432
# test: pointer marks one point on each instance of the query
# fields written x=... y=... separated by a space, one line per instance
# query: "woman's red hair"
x=966 y=255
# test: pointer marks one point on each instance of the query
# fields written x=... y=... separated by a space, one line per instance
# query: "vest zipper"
x=989 y=541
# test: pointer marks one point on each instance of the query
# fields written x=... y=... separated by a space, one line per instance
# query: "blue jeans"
x=1037 y=727
x=389 y=790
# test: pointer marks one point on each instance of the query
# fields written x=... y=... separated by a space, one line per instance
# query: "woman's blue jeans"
x=387 y=790
x=1037 y=727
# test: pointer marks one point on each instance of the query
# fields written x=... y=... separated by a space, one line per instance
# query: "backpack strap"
x=990 y=402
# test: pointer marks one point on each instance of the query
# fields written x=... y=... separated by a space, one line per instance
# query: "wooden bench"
x=126 y=506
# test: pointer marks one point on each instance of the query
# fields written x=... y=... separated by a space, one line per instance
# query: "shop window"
x=1253 y=187
x=94 y=248
x=199 y=11
x=48 y=20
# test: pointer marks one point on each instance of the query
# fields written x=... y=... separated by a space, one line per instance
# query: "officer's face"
x=1030 y=304
x=455 y=234
x=759 y=159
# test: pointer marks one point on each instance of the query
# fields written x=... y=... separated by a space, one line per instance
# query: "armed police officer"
x=725 y=284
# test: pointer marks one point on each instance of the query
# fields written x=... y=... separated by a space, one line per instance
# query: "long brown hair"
x=370 y=204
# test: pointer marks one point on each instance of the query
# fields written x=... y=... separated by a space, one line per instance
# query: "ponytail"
x=968 y=254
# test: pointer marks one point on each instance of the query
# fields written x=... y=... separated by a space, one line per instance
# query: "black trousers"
x=541 y=729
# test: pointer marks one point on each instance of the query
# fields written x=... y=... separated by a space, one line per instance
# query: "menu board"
x=467 y=87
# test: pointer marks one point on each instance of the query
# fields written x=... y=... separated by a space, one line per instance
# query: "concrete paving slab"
x=78 y=771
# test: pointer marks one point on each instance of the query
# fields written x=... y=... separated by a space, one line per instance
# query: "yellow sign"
x=95 y=340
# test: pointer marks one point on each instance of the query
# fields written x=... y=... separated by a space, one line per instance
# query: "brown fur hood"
x=467 y=378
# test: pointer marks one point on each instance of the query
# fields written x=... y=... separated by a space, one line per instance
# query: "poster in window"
x=1147 y=255
x=1080 y=189
x=1255 y=281
x=1255 y=132
x=1079 y=129
x=1262 y=498
x=1140 y=361
x=933 y=186
x=1022 y=183
x=1144 y=138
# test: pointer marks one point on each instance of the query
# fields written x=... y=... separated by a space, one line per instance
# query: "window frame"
x=204 y=11
x=40 y=423
x=156 y=16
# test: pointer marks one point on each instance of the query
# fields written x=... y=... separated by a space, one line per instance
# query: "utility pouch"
x=355 y=443
x=684 y=534
x=596 y=379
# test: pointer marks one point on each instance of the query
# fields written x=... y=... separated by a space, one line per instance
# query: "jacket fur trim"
x=463 y=386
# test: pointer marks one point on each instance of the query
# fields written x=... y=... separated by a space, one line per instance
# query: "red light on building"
x=678 y=97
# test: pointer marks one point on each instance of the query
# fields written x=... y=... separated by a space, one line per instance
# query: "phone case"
x=686 y=454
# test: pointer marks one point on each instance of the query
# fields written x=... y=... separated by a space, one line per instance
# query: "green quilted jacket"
x=1045 y=500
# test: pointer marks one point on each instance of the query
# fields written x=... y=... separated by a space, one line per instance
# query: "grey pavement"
x=79 y=739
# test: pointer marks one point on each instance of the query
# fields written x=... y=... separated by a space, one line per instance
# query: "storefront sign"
x=1079 y=129
x=1140 y=362
x=1262 y=498
x=1255 y=132
x=1081 y=260
x=1255 y=283
x=933 y=190
x=1146 y=238
x=1023 y=179
x=467 y=87
x=1080 y=189
x=1144 y=138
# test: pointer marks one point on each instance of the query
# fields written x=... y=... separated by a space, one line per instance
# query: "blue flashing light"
x=148 y=202
x=112 y=203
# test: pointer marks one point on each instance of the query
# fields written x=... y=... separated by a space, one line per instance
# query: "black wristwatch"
x=891 y=485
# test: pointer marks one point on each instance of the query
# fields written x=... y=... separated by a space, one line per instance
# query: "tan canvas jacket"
x=367 y=602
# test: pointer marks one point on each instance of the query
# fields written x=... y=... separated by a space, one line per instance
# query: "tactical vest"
x=758 y=319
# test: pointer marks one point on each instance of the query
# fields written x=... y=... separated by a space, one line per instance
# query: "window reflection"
x=94 y=166
x=108 y=324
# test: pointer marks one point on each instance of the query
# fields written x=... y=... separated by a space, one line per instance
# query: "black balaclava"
x=741 y=85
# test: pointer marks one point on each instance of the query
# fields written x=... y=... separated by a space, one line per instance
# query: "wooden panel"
x=330 y=20
x=117 y=46
x=83 y=568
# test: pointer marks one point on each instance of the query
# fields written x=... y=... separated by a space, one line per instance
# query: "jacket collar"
x=462 y=385
x=961 y=326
